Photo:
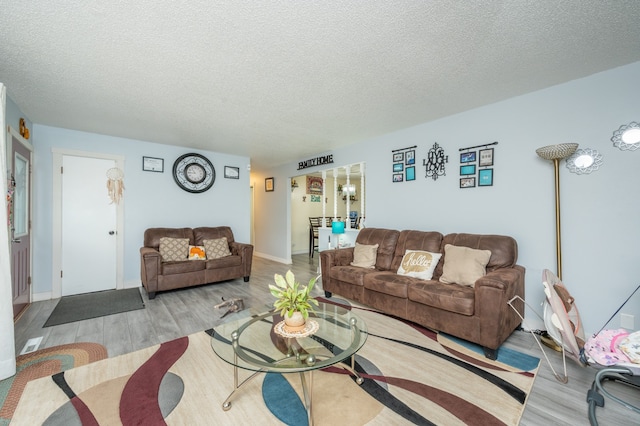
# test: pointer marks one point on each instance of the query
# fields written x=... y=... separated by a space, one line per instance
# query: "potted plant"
x=292 y=300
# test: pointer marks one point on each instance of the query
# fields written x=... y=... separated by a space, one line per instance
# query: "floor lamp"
x=556 y=153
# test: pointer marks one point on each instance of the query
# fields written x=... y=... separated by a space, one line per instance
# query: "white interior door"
x=89 y=223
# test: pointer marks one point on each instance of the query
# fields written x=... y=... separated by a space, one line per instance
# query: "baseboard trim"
x=275 y=259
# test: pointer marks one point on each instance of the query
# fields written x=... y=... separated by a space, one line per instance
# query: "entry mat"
x=93 y=305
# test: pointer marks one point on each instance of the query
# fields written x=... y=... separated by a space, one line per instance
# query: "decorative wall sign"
x=318 y=161
x=314 y=185
x=404 y=157
x=315 y=198
x=435 y=161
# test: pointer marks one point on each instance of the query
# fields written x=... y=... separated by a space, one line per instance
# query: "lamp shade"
x=557 y=152
x=337 y=227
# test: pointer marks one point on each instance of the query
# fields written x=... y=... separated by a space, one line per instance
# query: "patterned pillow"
x=419 y=264
x=217 y=248
x=174 y=249
x=197 y=253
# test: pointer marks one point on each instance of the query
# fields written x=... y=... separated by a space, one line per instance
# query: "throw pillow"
x=217 y=248
x=419 y=264
x=197 y=253
x=174 y=249
x=364 y=256
x=464 y=265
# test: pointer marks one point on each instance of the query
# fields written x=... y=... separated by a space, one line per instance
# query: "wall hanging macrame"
x=115 y=185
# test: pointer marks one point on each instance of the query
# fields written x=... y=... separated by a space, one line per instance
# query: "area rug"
x=44 y=363
x=412 y=376
x=93 y=305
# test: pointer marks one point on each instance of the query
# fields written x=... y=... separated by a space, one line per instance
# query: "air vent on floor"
x=32 y=345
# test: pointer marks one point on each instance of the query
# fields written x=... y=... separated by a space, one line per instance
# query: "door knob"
x=15 y=240
x=112 y=232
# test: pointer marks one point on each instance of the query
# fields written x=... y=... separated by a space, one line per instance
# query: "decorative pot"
x=295 y=322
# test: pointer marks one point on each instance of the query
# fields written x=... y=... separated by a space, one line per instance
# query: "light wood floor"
x=178 y=313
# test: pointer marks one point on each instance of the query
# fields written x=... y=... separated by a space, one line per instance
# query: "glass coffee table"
x=261 y=345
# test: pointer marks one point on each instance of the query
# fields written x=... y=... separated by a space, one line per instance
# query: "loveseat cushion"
x=449 y=297
x=174 y=249
x=152 y=236
x=217 y=248
x=212 y=233
x=224 y=262
x=172 y=268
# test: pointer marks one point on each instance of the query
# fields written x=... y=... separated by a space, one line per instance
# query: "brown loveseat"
x=477 y=313
x=158 y=275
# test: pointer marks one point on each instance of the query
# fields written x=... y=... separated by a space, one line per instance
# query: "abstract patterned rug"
x=412 y=376
x=44 y=363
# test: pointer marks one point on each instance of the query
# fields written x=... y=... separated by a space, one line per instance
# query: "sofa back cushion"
x=386 y=240
x=504 y=249
x=415 y=240
x=213 y=233
x=152 y=236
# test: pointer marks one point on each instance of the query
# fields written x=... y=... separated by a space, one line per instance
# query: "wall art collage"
x=404 y=164
x=476 y=166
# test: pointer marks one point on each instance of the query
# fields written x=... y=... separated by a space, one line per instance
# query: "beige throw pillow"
x=364 y=256
x=174 y=249
x=217 y=248
x=419 y=264
x=464 y=265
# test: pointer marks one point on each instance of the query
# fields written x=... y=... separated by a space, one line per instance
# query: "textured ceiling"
x=279 y=81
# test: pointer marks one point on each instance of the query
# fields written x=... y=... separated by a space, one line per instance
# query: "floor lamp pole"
x=556 y=164
x=556 y=153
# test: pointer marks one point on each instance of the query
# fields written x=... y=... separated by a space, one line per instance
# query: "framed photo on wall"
x=485 y=177
x=398 y=167
x=467 y=182
x=410 y=173
x=231 y=172
x=468 y=157
x=268 y=184
x=152 y=164
x=486 y=157
x=398 y=156
x=397 y=177
x=410 y=157
x=469 y=169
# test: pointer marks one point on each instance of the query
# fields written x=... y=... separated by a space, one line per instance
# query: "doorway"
x=20 y=222
x=88 y=243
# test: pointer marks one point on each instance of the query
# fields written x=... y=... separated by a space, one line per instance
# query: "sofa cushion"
x=430 y=241
x=217 y=248
x=224 y=262
x=419 y=264
x=464 y=265
x=182 y=267
x=197 y=253
x=387 y=282
x=174 y=249
x=364 y=256
x=453 y=298
x=386 y=240
x=350 y=274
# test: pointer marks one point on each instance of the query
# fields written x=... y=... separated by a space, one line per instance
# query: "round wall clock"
x=194 y=173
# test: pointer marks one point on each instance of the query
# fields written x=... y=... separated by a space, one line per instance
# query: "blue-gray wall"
x=150 y=199
x=601 y=263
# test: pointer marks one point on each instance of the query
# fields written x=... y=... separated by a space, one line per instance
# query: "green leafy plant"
x=291 y=297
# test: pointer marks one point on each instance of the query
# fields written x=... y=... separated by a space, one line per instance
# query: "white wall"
x=601 y=264
x=150 y=199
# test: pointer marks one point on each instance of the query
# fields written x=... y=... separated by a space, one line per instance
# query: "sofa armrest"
x=492 y=292
x=333 y=257
x=150 y=268
x=245 y=251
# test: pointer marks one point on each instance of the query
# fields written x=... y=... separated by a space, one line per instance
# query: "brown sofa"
x=160 y=276
x=479 y=313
